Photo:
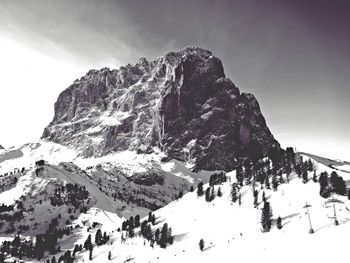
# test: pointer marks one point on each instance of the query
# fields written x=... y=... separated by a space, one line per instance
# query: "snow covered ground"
x=232 y=232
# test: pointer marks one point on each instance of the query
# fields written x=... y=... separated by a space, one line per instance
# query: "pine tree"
x=219 y=192
x=264 y=197
x=234 y=192
x=201 y=244
x=90 y=253
x=310 y=165
x=75 y=250
x=239 y=175
x=53 y=260
x=304 y=174
x=314 y=177
x=137 y=220
x=131 y=232
x=267 y=183
x=324 y=186
x=207 y=195
x=88 y=243
x=39 y=247
x=255 y=193
x=275 y=182
x=200 y=189
x=131 y=222
x=266 y=217
x=149 y=217
x=212 y=194
x=338 y=184
x=98 y=237
x=279 y=223
x=156 y=235
x=164 y=236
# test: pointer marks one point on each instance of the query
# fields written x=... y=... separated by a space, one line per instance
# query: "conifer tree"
x=150 y=216
x=275 y=182
x=164 y=236
x=279 y=223
x=239 y=175
x=131 y=232
x=267 y=182
x=98 y=237
x=324 y=186
x=156 y=235
x=201 y=244
x=264 y=197
x=39 y=247
x=131 y=222
x=304 y=175
x=212 y=194
x=90 y=253
x=207 y=195
x=255 y=194
x=234 y=192
x=200 y=189
x=137 y=220
x=314 y=177
x=88 y=243
x=219 y=192
x=266 y=217
x=109 y=255
x=310 y=165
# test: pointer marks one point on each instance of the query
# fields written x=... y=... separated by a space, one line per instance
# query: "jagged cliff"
x=181 y=102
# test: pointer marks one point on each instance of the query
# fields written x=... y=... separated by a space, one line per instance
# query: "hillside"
x=233 y=231
x=78 y=198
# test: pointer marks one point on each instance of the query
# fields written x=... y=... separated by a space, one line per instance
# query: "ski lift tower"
x=311 y=231
x=334 y=201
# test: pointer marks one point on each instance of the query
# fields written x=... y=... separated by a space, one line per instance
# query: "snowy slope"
x=232 y=232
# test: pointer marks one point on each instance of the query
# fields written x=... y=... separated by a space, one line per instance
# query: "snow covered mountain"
x=181 y=103
x=167 y=161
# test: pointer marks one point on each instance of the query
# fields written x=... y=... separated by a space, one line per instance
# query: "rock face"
x=1 y=148
x=181 y=103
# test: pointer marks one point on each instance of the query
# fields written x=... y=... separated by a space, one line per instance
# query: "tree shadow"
x=179 y=237
x=208 y=247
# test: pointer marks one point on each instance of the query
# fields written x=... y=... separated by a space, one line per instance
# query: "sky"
x=293 y=55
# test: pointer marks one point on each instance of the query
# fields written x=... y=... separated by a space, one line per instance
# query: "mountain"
x=181 y=103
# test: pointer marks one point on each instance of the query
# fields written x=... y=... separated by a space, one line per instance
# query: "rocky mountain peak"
x=181 y=103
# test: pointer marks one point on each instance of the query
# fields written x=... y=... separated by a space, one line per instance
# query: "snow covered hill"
x=126 y=184
x=232 y=231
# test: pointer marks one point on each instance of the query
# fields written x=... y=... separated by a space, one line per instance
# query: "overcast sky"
x=293 y=55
